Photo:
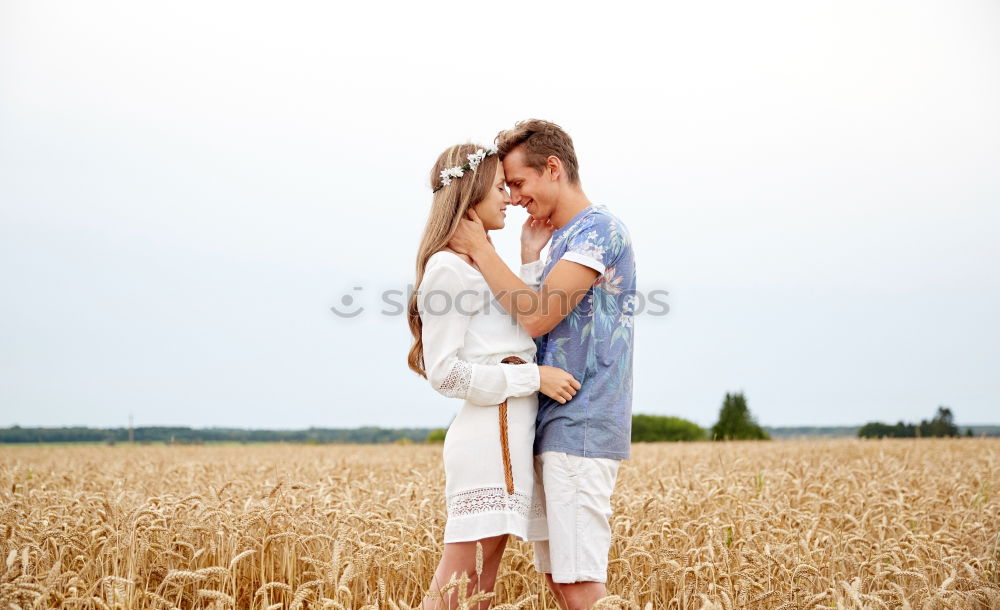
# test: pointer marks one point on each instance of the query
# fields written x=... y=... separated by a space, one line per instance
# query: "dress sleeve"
x=531 y=274
x=446 y=308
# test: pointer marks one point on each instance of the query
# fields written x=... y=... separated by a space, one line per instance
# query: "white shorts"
x=577 y=494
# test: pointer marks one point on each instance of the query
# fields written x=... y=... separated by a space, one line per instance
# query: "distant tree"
x=653 y=428
x=436 y=435
x=968 y=432
x=735 y=421
x=943 y=424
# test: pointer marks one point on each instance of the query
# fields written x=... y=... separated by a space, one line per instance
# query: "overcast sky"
x=186 y=188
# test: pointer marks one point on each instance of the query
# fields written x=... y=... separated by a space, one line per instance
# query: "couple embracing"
x=542 y=360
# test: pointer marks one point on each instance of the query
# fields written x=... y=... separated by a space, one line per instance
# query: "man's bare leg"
x=582 y=595
x=557 y=593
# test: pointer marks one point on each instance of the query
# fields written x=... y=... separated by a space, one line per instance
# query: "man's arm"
x=536 y=312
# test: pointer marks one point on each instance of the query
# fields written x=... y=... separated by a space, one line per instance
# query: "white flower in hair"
x=475 y=159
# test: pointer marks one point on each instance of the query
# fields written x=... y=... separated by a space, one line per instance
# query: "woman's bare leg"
x=460 y=558
x=491 y=566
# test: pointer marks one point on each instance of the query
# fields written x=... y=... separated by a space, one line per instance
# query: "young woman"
x=461 y=338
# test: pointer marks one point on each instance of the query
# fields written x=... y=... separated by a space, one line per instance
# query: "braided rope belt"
x=508 y=472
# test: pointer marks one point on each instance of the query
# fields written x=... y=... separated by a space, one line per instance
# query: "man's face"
x=528 y=188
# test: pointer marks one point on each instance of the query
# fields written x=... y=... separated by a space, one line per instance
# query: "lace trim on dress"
x=456 y=382
x=493 y=500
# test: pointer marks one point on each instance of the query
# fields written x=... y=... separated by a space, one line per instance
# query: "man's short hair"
x=541 y=139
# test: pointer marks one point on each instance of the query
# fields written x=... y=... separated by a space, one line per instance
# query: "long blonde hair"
x=448 y=207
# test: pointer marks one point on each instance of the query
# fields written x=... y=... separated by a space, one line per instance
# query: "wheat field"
x=782 y=524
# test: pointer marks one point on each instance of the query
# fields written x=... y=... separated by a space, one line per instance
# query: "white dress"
x=466 y=333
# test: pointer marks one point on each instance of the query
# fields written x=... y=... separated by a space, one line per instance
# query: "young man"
x=579 y=306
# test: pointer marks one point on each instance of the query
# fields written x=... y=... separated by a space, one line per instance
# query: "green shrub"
x=436 y=435
x=653 y=428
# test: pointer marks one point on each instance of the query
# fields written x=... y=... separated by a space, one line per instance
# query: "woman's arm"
x=446 y=310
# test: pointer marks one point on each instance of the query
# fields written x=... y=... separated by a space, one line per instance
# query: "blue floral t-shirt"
x=594 y=342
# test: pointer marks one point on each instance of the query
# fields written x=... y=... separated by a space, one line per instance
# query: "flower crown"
x=459 y=170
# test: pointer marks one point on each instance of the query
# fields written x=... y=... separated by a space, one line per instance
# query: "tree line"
x=942 y=424
x=735 y=422
x=184 y=435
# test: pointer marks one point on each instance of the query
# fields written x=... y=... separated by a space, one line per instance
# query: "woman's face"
x=491 y=210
